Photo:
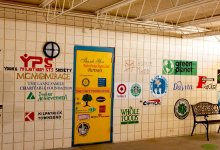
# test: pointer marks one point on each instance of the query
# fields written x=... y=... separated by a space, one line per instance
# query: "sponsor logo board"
x=179 y=67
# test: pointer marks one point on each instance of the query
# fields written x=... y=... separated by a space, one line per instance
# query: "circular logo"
x=158 y=86
x=85 y=82
x=121 y=89
x=168 y=66
x=83 y=128
x=181 y=108
x=135 y=89
x=51 y=49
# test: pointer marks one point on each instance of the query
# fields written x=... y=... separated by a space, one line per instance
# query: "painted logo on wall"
x=181 y=108
x=153 y=102
x=135 y=89
x=46 y=96
x=202 y=83
x=40 y=86
x=121 y=90
x=29 y=116
x=179 y=86
x=43 y=115
x=218 y=76
x=129 y=115
x=218 y=97
x=158 y=86
x=83 y=128
x=179 y=67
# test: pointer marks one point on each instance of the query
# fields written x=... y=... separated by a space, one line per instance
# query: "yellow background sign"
x=93 y=97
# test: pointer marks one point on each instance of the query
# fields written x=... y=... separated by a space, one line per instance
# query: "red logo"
x=121 y=89
x=36 y=60
x=29 y=116
x=102 y=108
x=201 y=81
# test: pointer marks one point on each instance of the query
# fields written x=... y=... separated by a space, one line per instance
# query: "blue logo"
x=101 y=82
x=158 y=86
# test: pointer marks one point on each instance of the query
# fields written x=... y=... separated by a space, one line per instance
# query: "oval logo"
x=92 y=109
x=100 y=99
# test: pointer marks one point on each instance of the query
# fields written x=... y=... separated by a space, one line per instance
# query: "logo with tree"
x=168 y=66
x=181 y=108
x=135 y=89
x=87 y=98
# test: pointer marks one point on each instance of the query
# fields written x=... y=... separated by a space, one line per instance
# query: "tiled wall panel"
x=20 y=34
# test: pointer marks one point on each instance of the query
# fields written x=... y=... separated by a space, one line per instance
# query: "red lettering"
x=25 y=59
x=35 y=61
x=47 y=64
x=38 y=60
x=201 y=81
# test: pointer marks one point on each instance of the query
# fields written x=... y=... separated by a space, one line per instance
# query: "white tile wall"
x=18 y=36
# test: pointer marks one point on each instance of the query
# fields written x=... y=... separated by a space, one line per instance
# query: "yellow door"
x=92 y=105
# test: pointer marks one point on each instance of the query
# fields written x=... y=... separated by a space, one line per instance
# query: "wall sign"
x=181 y=108
x=121 y=90
x=218 y=76
x=43 y=115
x=135 y=89
x=179 y=67
x=158 y=86
x=218 y=97
x=29 y=116
x=46 y=96
x=202 y=83
x=41 y=85
x=129 y=115
x=153 y=102
x=93 y=94
x=51 y=49
x=180 y=87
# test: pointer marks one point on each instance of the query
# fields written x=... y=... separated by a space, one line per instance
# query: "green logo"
x=179 y=67
x=129 y=116
x=92 y=109
x=135 y=89
x=31 y=96
x=168 y=66
x=87 y=98
x=181 y=108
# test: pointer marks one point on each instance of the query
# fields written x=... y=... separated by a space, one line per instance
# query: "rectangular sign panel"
x=218 y=76
x=93 y=86
x=179 y=67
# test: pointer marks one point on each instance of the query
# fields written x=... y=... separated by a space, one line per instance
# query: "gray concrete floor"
x=196 y=142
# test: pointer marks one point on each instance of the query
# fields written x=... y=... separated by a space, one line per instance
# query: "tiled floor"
x=196 y=142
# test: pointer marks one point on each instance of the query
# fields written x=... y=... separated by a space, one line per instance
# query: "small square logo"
x=102 y=109
x=29 y=116
x=101 y=82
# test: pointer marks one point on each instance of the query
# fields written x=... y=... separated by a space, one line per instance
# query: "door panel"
x=92 y=95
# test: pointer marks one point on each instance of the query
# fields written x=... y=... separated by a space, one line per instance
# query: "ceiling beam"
x=200 y=21
x=201 y=34
x=114 y=6
x=175 y=9
x=45 y=3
